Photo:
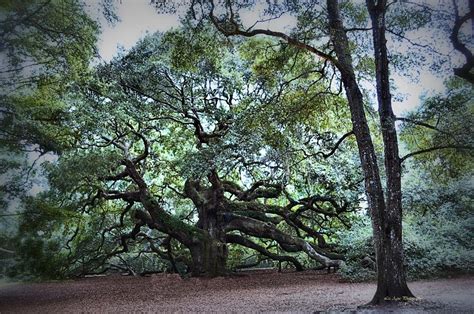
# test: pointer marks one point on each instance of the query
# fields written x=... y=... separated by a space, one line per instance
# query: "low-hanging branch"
x=233 y=238
x=431 y=149
x=257 y=228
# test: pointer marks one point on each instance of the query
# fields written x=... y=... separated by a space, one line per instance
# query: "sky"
x=137 y=17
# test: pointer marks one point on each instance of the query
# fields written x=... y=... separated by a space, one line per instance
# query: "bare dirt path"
x=263 y=291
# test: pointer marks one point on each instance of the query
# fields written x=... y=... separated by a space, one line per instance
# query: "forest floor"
x=251 y=291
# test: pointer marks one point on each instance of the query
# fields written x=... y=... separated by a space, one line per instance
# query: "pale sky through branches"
x=139 y=17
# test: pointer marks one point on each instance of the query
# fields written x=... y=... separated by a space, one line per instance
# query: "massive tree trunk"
x=210 y=254
x=391 y=275
x=386 y=216
x=209 y=258
x=206 y=242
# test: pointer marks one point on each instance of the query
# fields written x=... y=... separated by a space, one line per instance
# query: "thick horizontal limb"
x=233 y=238
x=257 y=228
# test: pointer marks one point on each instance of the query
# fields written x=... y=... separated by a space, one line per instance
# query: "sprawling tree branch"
x=426 y=125
x=233 y=238
x=257 y=228
x=231 y=27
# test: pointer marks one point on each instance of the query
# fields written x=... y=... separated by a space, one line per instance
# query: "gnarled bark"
x=209 y=258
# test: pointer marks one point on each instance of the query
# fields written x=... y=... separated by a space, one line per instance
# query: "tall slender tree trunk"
x=391 y=274
x=386 y=215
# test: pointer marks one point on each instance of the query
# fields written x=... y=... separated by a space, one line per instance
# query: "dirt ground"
x=256 y=291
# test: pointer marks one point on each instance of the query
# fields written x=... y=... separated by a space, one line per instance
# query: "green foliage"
x=55 y=36
x=452 y=116
x=356 y=244
x=240 y=255
x=439 y=245
x=46 y=46
x=57 y=241
x=405 y=17
x=437 y=230
x=195 y=49
x=81 y=171
x=36 y=261
x=434 y=245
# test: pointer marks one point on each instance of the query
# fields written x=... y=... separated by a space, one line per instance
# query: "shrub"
x=434 y=244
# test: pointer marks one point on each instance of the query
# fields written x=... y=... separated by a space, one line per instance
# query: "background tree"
x=387 y=222
x=44 y=45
